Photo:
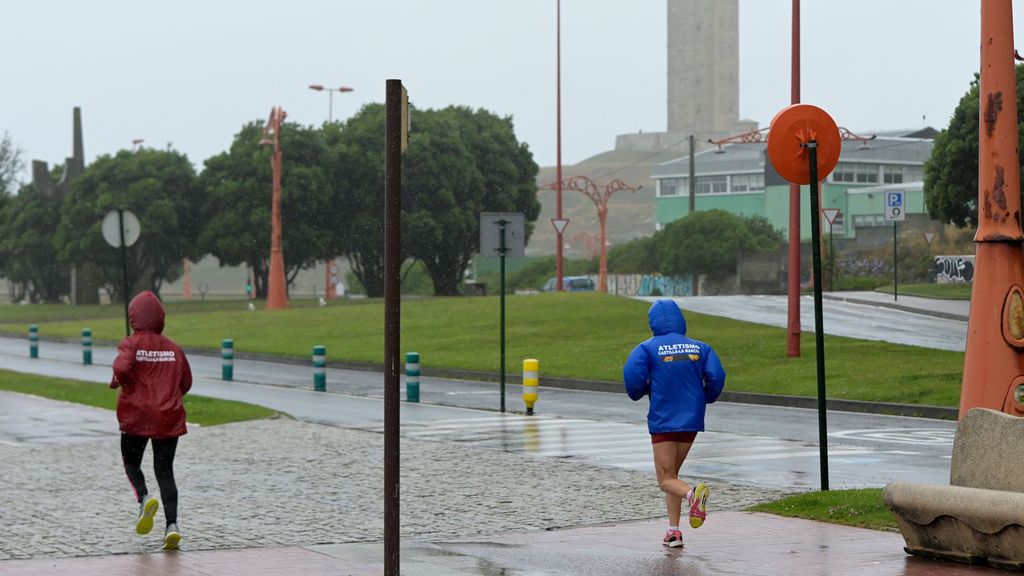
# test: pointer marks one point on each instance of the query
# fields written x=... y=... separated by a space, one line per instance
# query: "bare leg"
x=668 y=459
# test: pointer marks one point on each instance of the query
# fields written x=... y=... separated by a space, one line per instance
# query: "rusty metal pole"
x=602 y=270
x=277 y=295
x=993 y=362
x=793 y=279
x=559 y=270
x=392 y=319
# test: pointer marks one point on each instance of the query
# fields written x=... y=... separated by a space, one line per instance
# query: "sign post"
x=121 y=229
x=502 y=234
x=804 y=148
x=895 y=212
x=830 y=216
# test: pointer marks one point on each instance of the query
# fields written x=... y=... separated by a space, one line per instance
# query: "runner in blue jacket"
x=681 y=376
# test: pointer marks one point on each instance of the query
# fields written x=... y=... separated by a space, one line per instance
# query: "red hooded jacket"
x=153 y=374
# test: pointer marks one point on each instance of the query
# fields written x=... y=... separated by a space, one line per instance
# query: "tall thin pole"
x=793 y=279
x=124 y=272
x=502 y=249
x=392 y=319
x=819 y=333
x=693 y=174
x=277 y=289
x=558 y=143
x=895 y=267
x=330 y=105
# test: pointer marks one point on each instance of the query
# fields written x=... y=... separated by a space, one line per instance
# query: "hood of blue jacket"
x=665 y=317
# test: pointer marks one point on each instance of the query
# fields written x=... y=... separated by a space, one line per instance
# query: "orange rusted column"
x=994 y=360
x=277 y=295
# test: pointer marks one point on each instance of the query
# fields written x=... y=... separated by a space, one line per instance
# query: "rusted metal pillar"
x=277 y=290
x=793 y=277
x=994 y=360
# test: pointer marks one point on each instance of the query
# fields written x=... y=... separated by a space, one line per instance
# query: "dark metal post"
x=819 y=334
x=502 y=249
x=693 y=174
x=392 y=318
x=124 y=271
x=895 y=266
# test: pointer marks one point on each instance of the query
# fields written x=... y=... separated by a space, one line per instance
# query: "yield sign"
x=830 y=214
x=928 y=236
x=560 y=224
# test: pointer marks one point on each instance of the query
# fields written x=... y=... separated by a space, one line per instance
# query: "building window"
x=747 y=183
x=856 y=173
x=892 y=175
x=712 y=185
x=913 y=173
x=673 y=187
x=869 y=220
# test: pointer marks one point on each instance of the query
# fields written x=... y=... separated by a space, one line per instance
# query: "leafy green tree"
x=27 y=224
x=238 y=185
x=11 y=165
x=639 y=256
x=709 y=242
x=462 y=162
x=159 y=187
x=357 y=172
x=951 y=173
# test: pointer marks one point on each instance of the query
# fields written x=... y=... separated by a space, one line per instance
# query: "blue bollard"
x=87 y=346
x=227 y=355
x=33 y=341
x=319 y=368
x=412 y=376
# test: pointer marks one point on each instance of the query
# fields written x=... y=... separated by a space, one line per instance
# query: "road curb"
x=896 y=306
x=889 y=408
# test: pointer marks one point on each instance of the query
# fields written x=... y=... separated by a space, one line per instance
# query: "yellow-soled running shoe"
x=172 y=537
x=147 y=509
x=698 y=501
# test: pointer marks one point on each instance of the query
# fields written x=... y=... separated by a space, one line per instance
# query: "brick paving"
x=280 y=482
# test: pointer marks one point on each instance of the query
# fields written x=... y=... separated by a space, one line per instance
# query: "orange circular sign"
x=791 y=129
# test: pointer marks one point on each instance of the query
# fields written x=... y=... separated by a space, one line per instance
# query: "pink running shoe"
x=672 y=539
x=698 y=500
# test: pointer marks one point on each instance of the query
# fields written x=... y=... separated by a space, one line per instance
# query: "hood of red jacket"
x=146 y=314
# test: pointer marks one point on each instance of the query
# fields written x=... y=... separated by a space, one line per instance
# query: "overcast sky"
x=192 y=72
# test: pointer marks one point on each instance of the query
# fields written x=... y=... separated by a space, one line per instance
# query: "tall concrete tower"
x=703 y=66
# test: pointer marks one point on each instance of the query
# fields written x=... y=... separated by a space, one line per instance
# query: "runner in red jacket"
x=154 y=376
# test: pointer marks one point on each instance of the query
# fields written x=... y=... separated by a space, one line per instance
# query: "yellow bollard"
x=531 y=370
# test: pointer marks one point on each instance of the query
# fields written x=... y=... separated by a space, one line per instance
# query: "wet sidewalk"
x=731 y=543
x=940 y=308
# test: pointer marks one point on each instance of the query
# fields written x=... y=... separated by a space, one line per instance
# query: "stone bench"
x=979 y=517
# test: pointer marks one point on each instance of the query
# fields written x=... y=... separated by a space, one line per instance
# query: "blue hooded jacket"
x=679 y=374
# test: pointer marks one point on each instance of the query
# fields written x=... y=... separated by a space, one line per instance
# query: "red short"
x=687 y=437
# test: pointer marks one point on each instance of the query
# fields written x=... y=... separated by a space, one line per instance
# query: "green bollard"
x=412 y=376
x=319 y=368
x=87 y=346
x=227 y=355
x=33 y=341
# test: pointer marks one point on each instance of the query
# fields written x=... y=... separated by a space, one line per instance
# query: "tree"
x=238 y=185
x=460 y=163
x=951 y=173
x=638 y=256
x=28 y=222
x=357 y=170
x=709 y=242
x=11 y=165
x=159 y=187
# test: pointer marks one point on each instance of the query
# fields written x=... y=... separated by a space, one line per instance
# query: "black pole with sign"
x=502 y=250
x=895 y=266
x=819 y=334
x=124 y=271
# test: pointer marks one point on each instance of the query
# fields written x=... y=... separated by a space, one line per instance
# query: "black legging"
x=132 y=448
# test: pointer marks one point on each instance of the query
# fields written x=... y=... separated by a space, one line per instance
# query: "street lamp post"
x=600 y=199
x=330 y=268
x=330 y=97
x=277 y=297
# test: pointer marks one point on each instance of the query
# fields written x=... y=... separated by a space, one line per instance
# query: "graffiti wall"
x=954 y=269
x=649 y=285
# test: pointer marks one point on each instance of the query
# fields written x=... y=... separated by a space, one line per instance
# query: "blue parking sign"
x=894 y=209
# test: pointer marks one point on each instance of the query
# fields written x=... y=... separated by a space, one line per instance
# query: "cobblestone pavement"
x=282 y=482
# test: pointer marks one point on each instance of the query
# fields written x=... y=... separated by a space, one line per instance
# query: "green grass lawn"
x=200 y=409
x=945 y=291
x=575 y=335
x=861 y=508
